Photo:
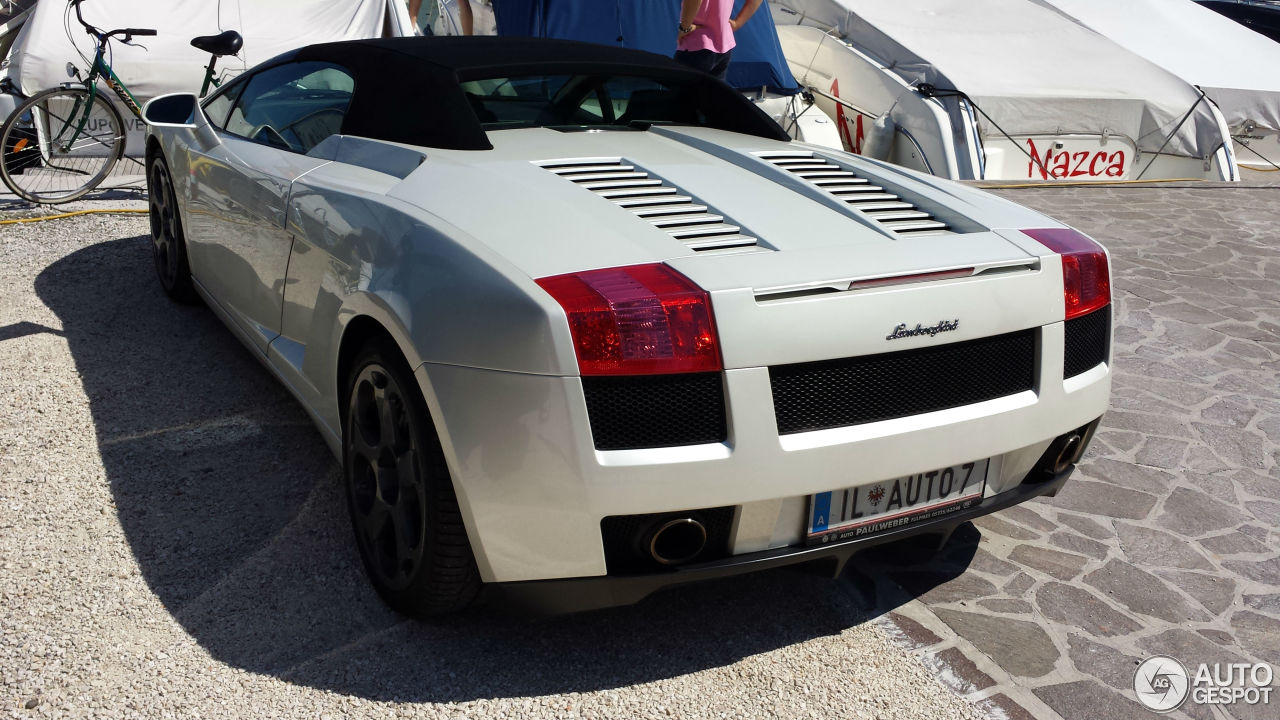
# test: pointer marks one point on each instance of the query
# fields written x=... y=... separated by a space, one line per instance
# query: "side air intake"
x=891 y=211
x=696 y=225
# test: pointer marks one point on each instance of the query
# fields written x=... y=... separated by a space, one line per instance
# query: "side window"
x=218 y=107
x=292 y=107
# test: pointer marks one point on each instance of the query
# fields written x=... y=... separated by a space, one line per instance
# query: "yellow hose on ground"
x=1087 y=183
x=59 y=216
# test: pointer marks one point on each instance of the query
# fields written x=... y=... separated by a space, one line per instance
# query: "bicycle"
x=62 y=142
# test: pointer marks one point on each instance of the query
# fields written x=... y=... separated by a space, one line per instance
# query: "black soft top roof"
x=407 y=89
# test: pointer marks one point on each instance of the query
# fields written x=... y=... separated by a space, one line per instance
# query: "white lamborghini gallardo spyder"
x=581 y=323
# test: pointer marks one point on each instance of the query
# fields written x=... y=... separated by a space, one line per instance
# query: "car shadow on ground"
x=232 y=506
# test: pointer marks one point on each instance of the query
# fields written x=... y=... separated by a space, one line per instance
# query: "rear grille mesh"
x=682 y=217
x=853 y=391
x=1088 y=342
x=892 y=211
x=652 y=411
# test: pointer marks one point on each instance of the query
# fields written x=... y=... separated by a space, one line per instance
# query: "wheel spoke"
x=375 y=521
x=407 y=470
x=390 y=417
x=170 y=220
x=160 y=190
x=361 y=445
x=410 y=510
x=171 y=262
x=415 y=505
x=408 y=547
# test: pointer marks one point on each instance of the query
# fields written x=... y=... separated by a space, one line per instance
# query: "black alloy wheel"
x=168 y=243
x=407 y=523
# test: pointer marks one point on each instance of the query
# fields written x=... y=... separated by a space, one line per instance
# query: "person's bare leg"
x=414 y=7
x=465 y=17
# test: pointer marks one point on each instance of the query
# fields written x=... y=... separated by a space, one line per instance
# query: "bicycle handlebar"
x=128 y=33
x=91 y=29
x=103 y=36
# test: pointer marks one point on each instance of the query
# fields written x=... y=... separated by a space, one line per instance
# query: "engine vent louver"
x=891 y=211
x=681 y=216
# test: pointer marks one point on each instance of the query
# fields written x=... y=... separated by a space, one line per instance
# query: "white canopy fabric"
x=168 y=63
x=1031 y=69
x=1236 y=67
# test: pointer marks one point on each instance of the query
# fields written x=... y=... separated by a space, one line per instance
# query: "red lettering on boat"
x=1057 y=165
x=1117 y=164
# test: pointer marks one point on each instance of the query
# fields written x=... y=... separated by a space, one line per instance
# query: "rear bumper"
x=534 y=490
x=570 y=595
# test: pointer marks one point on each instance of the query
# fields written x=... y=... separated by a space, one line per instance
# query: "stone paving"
x=1165 y=542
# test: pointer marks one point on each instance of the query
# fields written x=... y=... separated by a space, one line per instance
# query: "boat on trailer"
x=998 y=90
x=1232 y=64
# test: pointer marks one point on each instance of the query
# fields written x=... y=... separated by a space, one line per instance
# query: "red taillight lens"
x=637 y=320
x=1085 y=280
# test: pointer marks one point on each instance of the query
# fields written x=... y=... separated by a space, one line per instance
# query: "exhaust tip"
x=677 y=541
x=1067 y=452
x=1085 y=438
x=1062 y=453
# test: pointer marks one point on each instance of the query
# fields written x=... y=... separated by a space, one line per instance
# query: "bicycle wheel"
x=58 y=145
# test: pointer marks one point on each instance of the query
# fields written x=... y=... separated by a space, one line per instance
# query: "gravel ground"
x=173 y=543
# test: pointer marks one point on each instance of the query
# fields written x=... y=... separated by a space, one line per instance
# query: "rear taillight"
x=637 y=320
x=1085 y=281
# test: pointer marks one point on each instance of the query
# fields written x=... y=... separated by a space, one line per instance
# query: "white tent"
x=167 y=62
x=50 y=39
x=1236 y=67
x=1025 y=71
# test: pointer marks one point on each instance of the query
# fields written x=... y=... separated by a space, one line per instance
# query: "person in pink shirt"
x=705 y=40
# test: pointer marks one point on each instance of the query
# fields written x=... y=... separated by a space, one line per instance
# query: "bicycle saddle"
x=227 y=43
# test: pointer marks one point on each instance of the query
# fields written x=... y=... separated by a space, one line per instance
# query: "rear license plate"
x=870 y=509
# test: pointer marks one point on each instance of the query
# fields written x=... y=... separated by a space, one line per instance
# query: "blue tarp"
x=648 y=25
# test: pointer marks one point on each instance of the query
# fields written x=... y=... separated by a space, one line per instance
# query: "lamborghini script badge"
x=902 y=331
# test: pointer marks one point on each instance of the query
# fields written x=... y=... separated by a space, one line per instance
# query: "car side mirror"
x=173 y=110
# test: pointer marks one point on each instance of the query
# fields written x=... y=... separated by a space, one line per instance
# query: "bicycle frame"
x=210 y=81
x=103 y=70
x=100 y=68
x=73 y=128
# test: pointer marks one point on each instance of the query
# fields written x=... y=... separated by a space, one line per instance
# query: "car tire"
x=168 y=241
x=403 y=508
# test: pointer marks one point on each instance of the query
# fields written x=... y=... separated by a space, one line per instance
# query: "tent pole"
x=1175 y=130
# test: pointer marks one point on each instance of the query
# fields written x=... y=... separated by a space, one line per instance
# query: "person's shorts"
x=708 y=61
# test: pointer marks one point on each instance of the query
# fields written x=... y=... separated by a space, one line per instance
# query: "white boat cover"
x=1027 y=66
x=1236 y=67
x=167 y=62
